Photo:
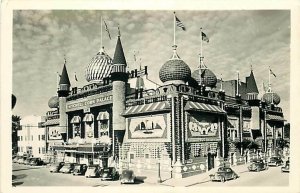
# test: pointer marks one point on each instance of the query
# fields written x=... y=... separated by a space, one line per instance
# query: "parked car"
x=109 y=173
x=223 y=174
x=80 y=169
x=286 y=168
x=56 y=167
x=127 y=176
x=92 y=171
x=275 y=161
x=20 y=160
x=36 y=161
x=67 y=168
x=258 y=165
x=15 y=160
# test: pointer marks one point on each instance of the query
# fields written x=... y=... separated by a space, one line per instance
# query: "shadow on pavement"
x=17 y=177
x=15 y=184
x=25 y=169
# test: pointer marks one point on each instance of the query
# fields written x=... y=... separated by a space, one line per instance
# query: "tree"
x=15 y=125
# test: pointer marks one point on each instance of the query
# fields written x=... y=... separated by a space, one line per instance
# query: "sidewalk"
x=192 y=180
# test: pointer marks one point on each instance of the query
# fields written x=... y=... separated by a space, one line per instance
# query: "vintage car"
x=20 y=160
x=223 y=174
x=56 y=166
x=67 y=168
x=286 y=168
x=79 y=169
x=127 y=177
x=92 y=171
x=275 y=161
x=109 y=173
x=36 y=161
x=258 y=165
x=15 y=160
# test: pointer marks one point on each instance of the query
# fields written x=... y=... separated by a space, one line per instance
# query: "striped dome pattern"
x=208 y=78
x=267 y=97
x=99 y=67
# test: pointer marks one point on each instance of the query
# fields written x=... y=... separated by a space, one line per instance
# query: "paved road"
x=40 y=176
x=271 y=177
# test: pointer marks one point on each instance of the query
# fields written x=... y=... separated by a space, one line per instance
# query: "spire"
x=175 y=55
x=251 y=83
x=119 y=57
x=64 y=78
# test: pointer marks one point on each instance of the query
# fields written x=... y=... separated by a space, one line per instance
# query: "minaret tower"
x=63 y=92
x=119 y=79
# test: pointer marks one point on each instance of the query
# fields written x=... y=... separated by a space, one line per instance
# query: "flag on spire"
x=119 y=32
x=179 y=23
x=204 y=37
x=75 y=77
x=272 y=72
x=106 y=29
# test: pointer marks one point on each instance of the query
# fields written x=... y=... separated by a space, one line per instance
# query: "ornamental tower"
x=63 y=92
x=119 y=79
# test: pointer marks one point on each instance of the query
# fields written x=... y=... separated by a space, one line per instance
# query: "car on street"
x=109 y=173
x=286 y=168
x=127 y=177
x=92 y=171
x=79 y=169
x=20 y=160
x=27 y=161
x=55 y=167
x=36 y=161
x=258 y=165
x=15 y=160
x=67 y=168
x=223 y=174
x=275 y=161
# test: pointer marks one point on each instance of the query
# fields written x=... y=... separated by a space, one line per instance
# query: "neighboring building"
x=124 y=119
x=31 y=136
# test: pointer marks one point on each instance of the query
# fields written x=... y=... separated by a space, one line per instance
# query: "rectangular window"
x=43 y=137
x=39 y=150
x=39 y=138
x=31 y=137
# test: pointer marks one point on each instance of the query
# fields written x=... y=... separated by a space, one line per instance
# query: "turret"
x=119 y=79
x=63 y=92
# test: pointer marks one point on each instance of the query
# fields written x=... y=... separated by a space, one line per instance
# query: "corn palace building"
x=180 y=128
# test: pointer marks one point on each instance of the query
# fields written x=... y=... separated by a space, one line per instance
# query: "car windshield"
x=106 y=170
x=92 y=167
x=222 y=170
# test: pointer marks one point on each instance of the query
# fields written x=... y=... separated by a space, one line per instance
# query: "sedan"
x=275 y=161
x=223 y=174
x=79 y=169
x=67 y=168
x=56 y=167
x=127 y=177
x=258 y=165
x=109 y=173
x=36 y=161
x=92 y=171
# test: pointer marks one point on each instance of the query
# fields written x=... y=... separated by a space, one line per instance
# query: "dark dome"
x=208 y=78
x=174 y=69
x=267 y=97
x=53 y=102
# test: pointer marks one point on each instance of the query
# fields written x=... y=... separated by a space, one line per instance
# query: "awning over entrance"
x=195 y=106
x=76 y=119
x=275 y=118
x=88 y=118
x=51 y=122
x=147 y=108
x=103 y=116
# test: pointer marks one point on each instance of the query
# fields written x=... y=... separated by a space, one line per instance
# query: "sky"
x=237 y=40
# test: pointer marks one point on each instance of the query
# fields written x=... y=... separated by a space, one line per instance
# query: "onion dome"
x=267 y=97
x=99 y=67
x=175 y=70
x=208 y=78
x=53 y=102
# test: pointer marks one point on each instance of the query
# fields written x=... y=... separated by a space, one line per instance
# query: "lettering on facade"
x=89 y=102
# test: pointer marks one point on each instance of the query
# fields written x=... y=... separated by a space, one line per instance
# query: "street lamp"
x=158 y=166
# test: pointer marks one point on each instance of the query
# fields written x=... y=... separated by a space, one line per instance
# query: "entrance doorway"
x=210 y=160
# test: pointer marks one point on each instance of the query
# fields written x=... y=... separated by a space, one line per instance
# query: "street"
x=271 y=177
x=24 y=175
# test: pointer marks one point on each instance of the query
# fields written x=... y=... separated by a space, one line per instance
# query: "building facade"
x=183 y=127
x=31 y=136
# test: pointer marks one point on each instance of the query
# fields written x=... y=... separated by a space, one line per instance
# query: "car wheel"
x=223 y=179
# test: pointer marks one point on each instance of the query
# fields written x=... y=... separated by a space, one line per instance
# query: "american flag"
x=272 y=72
x=204 y=37
x=179 y=23
x=106 y=29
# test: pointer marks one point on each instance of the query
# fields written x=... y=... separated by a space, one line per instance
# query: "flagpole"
x=221 y=82
x=200 y=43
x=174 y=29
x=237 y=83
x=101 y=32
